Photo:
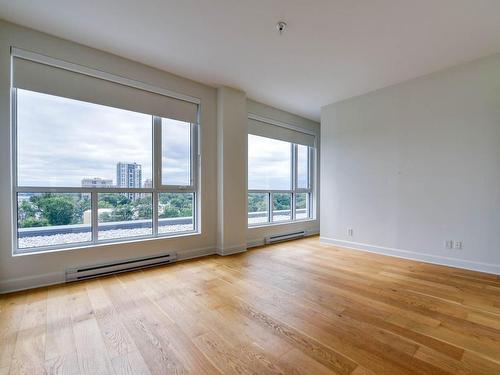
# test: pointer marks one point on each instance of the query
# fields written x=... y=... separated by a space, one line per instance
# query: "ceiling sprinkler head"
x=281 y=26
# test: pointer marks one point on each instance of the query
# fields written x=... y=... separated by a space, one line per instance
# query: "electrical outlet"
x=350 y=232
x=458 y=245
x=448 y=244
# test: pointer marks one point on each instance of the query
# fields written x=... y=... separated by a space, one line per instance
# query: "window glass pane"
x=175 y=212
x=47 y=219
x=269 y=164
x=301 y=206
x=302 y=167
x=124 y=215
x=175 y=152
x=282 y=206
x=68 y=143
x=258 y=208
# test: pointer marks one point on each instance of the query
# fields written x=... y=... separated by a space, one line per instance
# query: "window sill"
x=267 y=225
x=80 y=246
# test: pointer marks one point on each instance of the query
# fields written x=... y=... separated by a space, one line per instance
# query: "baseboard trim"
x=412 y=255
x=47 y=279
x=37 y=281
x=241 y=248
x=195 y=253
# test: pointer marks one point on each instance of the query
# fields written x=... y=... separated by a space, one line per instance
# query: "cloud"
x=176 y=152
x=269 y=163
x=61 y=141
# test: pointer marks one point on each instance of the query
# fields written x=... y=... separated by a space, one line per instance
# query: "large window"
x=279 y=180
x=90 y=171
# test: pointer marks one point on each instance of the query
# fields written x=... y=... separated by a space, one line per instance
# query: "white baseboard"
x=413 y=255
x=232 y=249
x=255 y=243
x=30 y=282
x=195 y=253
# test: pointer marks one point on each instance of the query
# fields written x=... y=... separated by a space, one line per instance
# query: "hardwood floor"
x=298 y=307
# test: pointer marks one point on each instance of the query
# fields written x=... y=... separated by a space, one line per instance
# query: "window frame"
x=294 y=189
x=157 y=188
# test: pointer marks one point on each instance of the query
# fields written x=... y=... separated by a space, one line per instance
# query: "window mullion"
x=309 y=205
x=94 y=216
x=14 y=182
x=295 y=180
x=312 y=175
x=310 y=166
x=192 y=155
x=156 y=171
x=154 y=202
x=156 y=152
x=293 y=167
x=270 y=197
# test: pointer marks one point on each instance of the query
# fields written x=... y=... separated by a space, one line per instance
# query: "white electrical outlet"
x=350 y=232
x=458 y=245
x=448 y=244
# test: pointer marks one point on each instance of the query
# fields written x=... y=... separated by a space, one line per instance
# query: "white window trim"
x=294 y=180
x=158 y=188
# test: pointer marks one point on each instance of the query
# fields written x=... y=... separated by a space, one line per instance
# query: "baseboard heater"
x=88 y=272
x=285 y=237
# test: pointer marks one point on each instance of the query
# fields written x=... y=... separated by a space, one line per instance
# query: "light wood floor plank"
x=116 y=338
x=60 y=343
x=29 y=353
x=299 y=307
x=130 y=364
x=10 y=321
x=66 y=364
x=143 y=325
x=91 y=350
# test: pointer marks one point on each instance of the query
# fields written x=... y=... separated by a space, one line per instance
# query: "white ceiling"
x=332 y=49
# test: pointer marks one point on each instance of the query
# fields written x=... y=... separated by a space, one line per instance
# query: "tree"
x=105 y=217
x=300 y=200
x=122 y=213
x=81 y=205
x=114 y=199
x=57 y=209
x=281 y=201
x=142 y=208
x=257 y=202
x=52 y=209
x=176 y=205
x=31 y=222
x=26 y=210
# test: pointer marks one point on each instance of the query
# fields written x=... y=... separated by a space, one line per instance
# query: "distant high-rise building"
x=148 y=184
x=129 y=175
x=96 y=182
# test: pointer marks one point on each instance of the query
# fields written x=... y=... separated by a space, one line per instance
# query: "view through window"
x=86 y=173
x=279 y=182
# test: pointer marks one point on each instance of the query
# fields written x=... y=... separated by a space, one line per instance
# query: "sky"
x=61 y=141
x=269 y=164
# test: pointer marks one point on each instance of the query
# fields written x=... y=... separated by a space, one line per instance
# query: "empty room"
x=249 y=187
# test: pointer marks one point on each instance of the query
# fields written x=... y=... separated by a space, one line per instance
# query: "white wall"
x=412 y=165
x=232 y=170
x=17 y=272
x=256 y=235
